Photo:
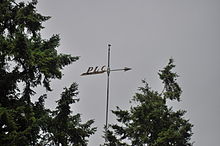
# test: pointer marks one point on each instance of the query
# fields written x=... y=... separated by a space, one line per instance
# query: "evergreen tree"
x=62 y=127
x=26 y=62
x=149 y=121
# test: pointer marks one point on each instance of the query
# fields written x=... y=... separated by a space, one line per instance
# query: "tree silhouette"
x=150 y=121
x=28 y=61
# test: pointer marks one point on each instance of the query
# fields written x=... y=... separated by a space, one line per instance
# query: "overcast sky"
x=144 y=34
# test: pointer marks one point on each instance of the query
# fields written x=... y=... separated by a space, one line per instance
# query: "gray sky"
x=144 y=34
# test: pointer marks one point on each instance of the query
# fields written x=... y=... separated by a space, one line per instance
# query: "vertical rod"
x=107 y=100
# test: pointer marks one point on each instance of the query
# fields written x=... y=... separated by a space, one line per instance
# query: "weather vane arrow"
x=97 y=70
x=100 y=70
x=123 y=69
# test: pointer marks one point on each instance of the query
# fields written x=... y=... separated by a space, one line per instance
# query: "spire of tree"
x=63 y=127
x=150 y=120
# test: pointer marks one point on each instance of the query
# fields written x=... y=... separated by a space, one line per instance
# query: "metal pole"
x=107 y=100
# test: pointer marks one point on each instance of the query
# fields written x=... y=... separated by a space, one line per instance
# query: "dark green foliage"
x=150 y=121
x=67 y=129
x=61 y=127
x=26 y=62
x=173 y=91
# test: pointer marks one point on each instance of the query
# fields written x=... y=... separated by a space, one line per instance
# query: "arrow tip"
x=127 y=69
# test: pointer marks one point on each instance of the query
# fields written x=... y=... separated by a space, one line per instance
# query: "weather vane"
x=100 y=70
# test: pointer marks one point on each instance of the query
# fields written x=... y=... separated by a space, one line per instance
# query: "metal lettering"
x=89 y=70
x=103 y=68
x=96 y=69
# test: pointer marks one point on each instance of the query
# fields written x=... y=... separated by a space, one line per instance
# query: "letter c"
x=103 y=68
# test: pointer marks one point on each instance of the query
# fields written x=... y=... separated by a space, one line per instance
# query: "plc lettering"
x=96 y=70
